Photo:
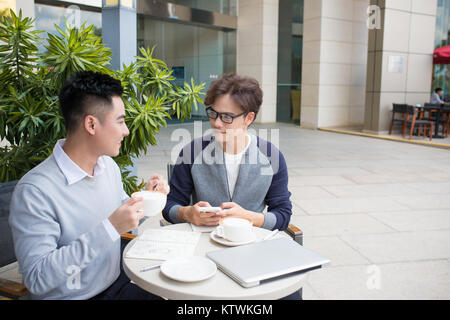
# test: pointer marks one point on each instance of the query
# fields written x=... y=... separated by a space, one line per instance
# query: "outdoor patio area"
x=396 y=135
x=378 y=209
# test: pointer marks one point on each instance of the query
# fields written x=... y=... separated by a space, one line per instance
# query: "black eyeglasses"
x=225 y=117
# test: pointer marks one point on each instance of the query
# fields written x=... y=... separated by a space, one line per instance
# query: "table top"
x=219 y=287
x=443 y=107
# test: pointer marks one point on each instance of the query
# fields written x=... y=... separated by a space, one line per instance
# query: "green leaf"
x=30 y=119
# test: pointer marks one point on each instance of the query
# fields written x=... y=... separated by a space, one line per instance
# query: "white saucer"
x=189 y=269
x=213 y=235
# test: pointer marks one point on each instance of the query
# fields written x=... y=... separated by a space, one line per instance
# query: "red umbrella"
x=441 y=55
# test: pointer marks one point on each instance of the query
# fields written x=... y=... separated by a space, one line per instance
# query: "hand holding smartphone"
x=209 y=209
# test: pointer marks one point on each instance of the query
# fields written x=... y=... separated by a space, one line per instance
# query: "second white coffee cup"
x=153 y=201
x=235 y=229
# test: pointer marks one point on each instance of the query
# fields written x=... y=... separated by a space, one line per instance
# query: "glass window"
x=290 y=44
x=190 y=51
x=47 y=16
x=220 y=6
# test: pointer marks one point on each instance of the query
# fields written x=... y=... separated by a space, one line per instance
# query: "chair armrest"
x=127 y=236
x=295 y=232
x=163 y=222
x=12 y=289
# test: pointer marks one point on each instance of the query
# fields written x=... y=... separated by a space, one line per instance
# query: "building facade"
x=321 y=63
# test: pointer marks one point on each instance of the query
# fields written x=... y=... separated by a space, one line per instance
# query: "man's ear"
x=249 y=118
x=90 y=124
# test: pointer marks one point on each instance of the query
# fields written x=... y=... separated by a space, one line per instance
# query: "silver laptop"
x=252 y=264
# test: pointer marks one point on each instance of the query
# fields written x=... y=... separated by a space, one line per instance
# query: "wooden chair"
x=399 y=115
x=9 y=287
x=12 y=286
x=412 y=121
x=444 y=120
x=446 y=127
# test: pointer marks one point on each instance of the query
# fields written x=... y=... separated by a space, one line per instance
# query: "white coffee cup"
x=153 y=201
x=235 y=229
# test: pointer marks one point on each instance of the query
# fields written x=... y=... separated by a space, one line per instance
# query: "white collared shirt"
x=70 y=169
x=74 y=174
x=435 y=98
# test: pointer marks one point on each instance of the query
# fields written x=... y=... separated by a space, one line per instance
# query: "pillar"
x=400 y=59
x=257 y=50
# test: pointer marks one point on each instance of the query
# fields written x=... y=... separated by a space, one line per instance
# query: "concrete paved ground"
x=380 y=210
x=396 y=134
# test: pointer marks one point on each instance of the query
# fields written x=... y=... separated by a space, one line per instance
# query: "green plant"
x=30 y=120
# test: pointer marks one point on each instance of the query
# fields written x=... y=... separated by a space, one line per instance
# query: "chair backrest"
x=399 y=108
x=434 y=105
x=411 y=109
x=7 y=255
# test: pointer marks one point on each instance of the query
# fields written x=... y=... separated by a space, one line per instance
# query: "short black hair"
x=87 y=92
x=437 y=89
x=245 y=91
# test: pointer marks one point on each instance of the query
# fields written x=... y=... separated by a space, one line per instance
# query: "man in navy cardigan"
x=231 y=169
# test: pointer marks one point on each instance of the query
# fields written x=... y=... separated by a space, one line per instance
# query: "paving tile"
x=293 y=162
x=436 y=176
x=333 y=248
x=402 y=247
x=309 y=192
x=297 y=211
x=431 y=187
x=415 y=220
x=418 y=169
x=350 y=205
x=308 y=292
x=424 y=202
x=330 y=171
x=337 y=225
x=318 y=181
x=405 y=281
x=386 y=178
x=371 y=190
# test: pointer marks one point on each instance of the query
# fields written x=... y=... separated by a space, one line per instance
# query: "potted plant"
x=30 y=120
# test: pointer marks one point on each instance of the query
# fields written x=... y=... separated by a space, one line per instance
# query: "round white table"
x=219 y=287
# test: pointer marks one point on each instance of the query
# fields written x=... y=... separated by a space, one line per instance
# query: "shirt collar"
x=70 y=169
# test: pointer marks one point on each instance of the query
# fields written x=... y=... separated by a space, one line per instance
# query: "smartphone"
x=209 y=209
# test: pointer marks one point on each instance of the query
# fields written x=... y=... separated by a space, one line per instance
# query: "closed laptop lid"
x=250 y=264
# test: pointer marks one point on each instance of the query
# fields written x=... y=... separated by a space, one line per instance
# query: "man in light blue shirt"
x=68 y=212
x=436 y=96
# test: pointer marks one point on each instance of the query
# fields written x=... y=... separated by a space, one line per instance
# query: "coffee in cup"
x=153 y=201
x=235 y=229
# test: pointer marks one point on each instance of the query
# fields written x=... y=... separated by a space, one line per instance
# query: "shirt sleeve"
x=36 y=231
x=112 y=232
x=279 y=206
x=181 y=188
